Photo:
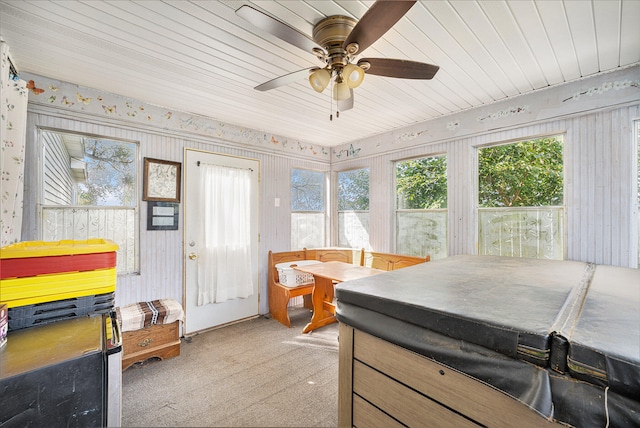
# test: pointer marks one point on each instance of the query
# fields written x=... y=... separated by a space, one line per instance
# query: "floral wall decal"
x=511 y=111
x=605 y=87
x=409 y=136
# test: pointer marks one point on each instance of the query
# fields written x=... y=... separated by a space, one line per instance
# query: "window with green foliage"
x=422 y=183
x=353 y=208
x=307 y=209
x=520 y=199
x=421 y=207
x=523 y=174
x=89 y=190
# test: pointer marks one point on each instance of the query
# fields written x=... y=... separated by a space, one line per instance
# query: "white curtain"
x=224 y=262
x=13 y=125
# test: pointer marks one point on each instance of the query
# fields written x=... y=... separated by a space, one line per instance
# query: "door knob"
x=193 y=256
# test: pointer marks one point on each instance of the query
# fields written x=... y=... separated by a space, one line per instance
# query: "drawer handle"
x=145 y=342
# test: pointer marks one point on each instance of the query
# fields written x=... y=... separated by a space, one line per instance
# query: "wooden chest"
x=155 y=341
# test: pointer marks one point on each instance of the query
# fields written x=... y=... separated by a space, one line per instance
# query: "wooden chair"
x=279 y=295
x=389 y=261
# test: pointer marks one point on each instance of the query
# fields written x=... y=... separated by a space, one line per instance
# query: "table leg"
x=322 y=295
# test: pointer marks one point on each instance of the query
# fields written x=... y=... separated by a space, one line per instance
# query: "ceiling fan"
x=337 y=40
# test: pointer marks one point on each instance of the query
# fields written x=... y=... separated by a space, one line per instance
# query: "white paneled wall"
x=161 y=252
x=600 y=192
x=601 y=217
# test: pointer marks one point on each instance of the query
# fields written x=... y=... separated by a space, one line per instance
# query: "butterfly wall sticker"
x=83 y=99
x=66 y=102
x=31 y=85
x=351 y=152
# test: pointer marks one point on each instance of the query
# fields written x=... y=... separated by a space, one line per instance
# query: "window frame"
x=636 y=161
x=398 y=210
x=563 y=208
x=41 y=207
x=336 y=211
x=324 y=212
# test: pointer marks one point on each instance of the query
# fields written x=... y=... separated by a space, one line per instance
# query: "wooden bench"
x=346 y=255
x=389 y=261
x=280 y=294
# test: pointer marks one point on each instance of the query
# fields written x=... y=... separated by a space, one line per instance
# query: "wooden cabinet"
x=385 y=385
x=155 y=341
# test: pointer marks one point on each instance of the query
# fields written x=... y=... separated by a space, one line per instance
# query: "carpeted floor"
x=255 y=373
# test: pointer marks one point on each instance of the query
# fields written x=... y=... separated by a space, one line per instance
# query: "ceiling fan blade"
x=285 y=80
x=401 y=68
x=380 y=17
x=344 y=105
x=277 y=28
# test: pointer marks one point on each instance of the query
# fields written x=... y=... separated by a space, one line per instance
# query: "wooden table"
x=324 y=275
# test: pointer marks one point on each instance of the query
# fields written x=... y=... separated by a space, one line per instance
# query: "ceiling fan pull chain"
x=331 y=100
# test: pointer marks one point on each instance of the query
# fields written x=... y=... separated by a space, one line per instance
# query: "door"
x=199 y=315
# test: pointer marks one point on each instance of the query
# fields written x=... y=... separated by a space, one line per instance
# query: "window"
x=520 y=199
x=353 y=209
x=89 y=191
x=421 y=207
x=307 y=209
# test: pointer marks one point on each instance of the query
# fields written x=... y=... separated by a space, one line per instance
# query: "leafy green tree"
x=527 y=173
x=353 y=190
x=422 y=183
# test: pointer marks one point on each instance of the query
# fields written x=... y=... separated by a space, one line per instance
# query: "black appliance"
x=67 y=373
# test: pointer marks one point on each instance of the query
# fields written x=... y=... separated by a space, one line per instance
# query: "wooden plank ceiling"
x=200 y=57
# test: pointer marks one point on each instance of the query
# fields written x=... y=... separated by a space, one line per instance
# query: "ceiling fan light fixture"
x=341 y=91
x=335 y=41
x=353 y=75
x=319 y=79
